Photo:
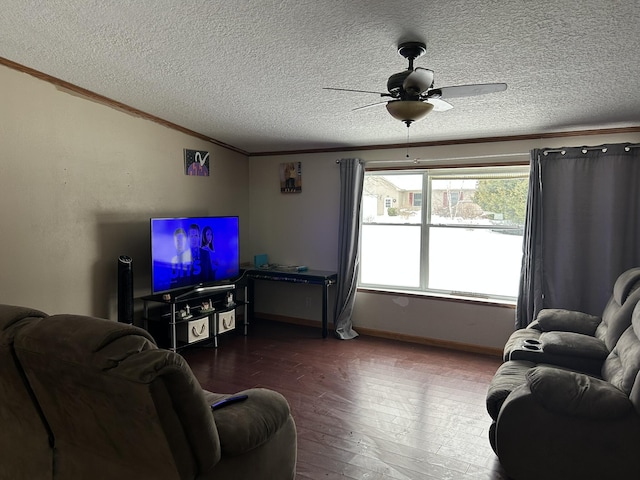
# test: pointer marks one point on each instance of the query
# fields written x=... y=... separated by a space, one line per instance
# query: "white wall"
x=303 y=228
x=80 y=181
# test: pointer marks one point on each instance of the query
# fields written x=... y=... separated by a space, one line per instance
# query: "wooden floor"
x=368 y=408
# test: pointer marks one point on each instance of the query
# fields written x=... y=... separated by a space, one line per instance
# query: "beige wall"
x=80 y=181
x=303 y=228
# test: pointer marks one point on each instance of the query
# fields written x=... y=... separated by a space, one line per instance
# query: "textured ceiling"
x=250 y=73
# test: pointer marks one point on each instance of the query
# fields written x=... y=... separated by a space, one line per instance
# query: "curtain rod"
x=563 y=151
x=478 y=157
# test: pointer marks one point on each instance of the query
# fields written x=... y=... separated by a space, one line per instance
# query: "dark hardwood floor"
x=368 y=408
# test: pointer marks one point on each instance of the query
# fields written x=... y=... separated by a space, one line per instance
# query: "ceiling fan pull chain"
x=407 y=141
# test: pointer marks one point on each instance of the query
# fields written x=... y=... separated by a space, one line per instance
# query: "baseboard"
x=432 y=342
x=293 y=320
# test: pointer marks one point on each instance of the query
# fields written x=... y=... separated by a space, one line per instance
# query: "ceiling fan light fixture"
x=409 y=111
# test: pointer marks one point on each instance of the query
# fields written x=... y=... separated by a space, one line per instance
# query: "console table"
x=309 y=277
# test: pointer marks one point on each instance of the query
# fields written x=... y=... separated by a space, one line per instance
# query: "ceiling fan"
x=412 y=91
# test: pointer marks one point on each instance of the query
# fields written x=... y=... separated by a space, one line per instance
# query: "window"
x=464 y=240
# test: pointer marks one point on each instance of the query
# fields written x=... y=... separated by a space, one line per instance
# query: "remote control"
x=228 y=401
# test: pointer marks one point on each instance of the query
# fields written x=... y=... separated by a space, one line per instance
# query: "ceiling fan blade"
x=466 y=90
x=370 y=105
x=418 y=81
x=357 y=91
x=439 y=105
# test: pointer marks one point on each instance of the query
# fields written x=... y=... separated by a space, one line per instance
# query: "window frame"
x=516 y=170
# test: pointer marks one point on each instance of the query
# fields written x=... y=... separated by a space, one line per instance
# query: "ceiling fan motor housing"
x=410 y=51
x=395 y=81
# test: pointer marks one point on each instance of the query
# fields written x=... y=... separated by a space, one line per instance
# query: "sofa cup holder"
x=532 y=347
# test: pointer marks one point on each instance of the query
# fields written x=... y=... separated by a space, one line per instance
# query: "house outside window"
x=464 y=240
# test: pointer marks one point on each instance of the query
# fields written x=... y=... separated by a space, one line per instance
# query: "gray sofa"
x=553 y=422
x=577 y=340
x=90 y=398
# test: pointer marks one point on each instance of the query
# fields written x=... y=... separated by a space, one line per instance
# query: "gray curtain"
x=351 y=182
x=582 y=228
x=530 y=290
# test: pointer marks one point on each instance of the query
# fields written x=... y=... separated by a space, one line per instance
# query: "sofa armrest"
x=556 y=319
x=246 y=425
x=575 y=394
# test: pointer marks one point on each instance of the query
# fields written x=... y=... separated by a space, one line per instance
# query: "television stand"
x=199 y=315
x=206 y=289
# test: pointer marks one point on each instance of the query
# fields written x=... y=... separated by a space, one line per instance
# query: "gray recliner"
x=25 y=438
x=96 y=399
x=555 y=423
x=577 y=340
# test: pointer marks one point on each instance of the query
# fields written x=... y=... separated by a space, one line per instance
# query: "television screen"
x=192 y=251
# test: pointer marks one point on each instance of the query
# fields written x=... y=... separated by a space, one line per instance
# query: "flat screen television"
x=193 y=252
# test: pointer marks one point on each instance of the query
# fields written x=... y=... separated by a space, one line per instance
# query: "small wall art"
x=196 y=163
x=291 y=177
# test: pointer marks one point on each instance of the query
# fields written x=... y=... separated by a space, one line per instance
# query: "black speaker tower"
x=125 y=290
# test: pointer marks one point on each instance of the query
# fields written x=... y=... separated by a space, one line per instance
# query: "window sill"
x=442 y=296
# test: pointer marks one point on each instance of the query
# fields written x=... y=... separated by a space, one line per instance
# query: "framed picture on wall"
x=291 y=177
x=196 y=163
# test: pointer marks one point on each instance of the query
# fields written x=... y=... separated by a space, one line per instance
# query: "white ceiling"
x=250 y=73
